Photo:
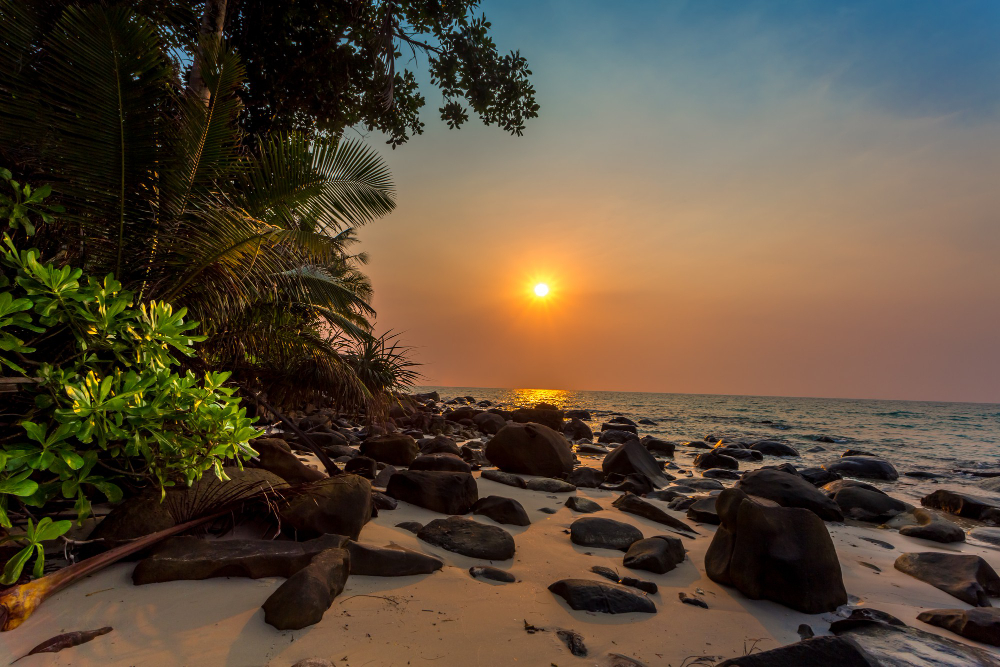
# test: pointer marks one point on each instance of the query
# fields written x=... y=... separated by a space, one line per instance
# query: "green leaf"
x=12 y=570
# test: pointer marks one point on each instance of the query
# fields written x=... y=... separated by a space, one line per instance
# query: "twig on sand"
x=393 y=600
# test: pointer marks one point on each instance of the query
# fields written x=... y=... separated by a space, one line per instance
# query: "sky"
x=758 y=198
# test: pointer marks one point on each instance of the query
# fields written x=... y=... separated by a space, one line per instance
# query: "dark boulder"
x=702 y=484
x=616 y=436
x=395 y=449
x=530 y=449
x=469 y=538
x=584 y=505
x=959 y=504
x=489 y=422
x=276 y=456
x=714 y=459
x=703 y=510
x=965 y=576
x=865 y=467
x=782 y=554
x=578 y=414
x=439 y=444
x=502 y=510
x=774 y=448
x=894 y=644
x=462 y=413
x=553 y=419
x=637 y=484
x=380 y=501
x=631 y=458
x=340 y=505
x=740 y=454
x=549 y=485
x=655 y=554
x=440 y=462
x=857 y=452
x=590 y=448
x=383 y=476
x=620 y=426
x=816 y=651
x=664 y=447
x=818 y=476
x=576 y=429
x=789 y=491
x=635 y=505
x=444 y=492
x=604 y=533
x=601 y=597
x=867 y=505
x=306 y=595
x=621 y=419
x=362 y=465
x=980 y=625
x=721 y=473
x=412 y=526
x=492 y=573
x=192 y=559
x=586 y=478
x=506 y=478
x=390 y=561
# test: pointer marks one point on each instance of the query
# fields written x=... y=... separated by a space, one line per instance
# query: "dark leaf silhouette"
x=67 y=640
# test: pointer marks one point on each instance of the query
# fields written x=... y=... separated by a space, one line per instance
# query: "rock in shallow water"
x=604 y=598
x=960 y=504
x=469 y=538
x=965 y=576
x=604 y=533
x=306 y=595
x=865 y=467
x=714 y=459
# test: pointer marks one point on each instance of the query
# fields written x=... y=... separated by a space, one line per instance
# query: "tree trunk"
x=212 y=21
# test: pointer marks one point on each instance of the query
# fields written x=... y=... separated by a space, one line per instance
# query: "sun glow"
x=541 y=289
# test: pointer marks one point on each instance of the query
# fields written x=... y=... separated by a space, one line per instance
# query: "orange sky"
x=731 y=225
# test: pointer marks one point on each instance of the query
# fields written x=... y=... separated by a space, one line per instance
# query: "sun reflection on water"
x=527 y=398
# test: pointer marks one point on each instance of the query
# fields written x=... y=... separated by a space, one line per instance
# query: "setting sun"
x=541 y=289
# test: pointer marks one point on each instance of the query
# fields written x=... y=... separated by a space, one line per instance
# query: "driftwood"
x=67 y=640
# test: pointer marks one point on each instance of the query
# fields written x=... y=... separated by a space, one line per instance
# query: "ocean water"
x=913 y=436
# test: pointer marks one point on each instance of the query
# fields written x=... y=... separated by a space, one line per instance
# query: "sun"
x=541 y=289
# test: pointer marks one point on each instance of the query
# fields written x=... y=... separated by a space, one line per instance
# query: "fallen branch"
x=332 y=468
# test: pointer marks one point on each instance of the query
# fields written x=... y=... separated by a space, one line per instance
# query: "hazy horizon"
x=768 y=199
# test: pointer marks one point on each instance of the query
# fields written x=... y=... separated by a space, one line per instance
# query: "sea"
x=959 y=441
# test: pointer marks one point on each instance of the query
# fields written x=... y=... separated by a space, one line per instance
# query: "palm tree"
x=160 y=190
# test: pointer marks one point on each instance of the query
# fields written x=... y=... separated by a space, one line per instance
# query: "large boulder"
x=390 y=561
x=980 y=625
x=865 y=467
x=530 y=449
x=839 y=651
x=489 y=422
x=601 y=597
x=891 y=643
x=576 y=429
x=593 y=531
x=664 y=447
x=634 y=505
x=341 y=505
x=631 y=458
x=439 y=444
x=704 y=510
x=586 y=478
x=395 y=449
x=960 y=504
x=789 y=490
x=191 y=558
x=869 y=505
x=616 y=436
x=654 y=554
x=774 y=448
x=965 y=576
x=782 y=554
x=818 y=476
x=502 y=510
x=444 y=492
x=469 y=538
x=441 y=462
x=306 y=595
x=274 y=455
x=713 y=459
x=550 y=418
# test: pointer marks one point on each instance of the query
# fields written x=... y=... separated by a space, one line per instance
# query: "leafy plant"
x=47 y=529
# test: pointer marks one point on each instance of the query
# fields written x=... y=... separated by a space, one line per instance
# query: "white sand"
x=449 y=618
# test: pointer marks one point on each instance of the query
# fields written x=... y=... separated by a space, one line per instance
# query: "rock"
x=647 y=422
x=507 y=478
x=839 y=651
x=395 y=449
x=713 y=459
x=703 y=484
x=988 y=535
x=635 y=505
x=740 y=454
x=573 y=641
x=818 y=476
x=617 y=436
x=774 y=448
x=192 y=559
x=655 y=554
x=896 y=645
x=576 y=429
x=637 y=484
x=789 y=491
x=578 y=414
x=721 y=473
x=306 y=595
x=439 y=444
x=390 y=561
x=440 y=462
x=586 y=478
x=493 y=573
x=549 y=485
x=502 y=510
x=380 y=501
x=444 y=492
x=698 y=444
x=922 y=474
x=631 y=458
x=865 y=467
x=692 y=600
x=314 y=662
x=659 y=446
x=462 y=413
x=363 y=466
x=934 y=528
x=965 y=576
x=276 y=456
x=340 y=505
x=469 y=538
x=383 y=476
x=682 y=503
x=600 y=597
x=552 y=419
x=489 y=422
x=620 y=426
x=857 y=452
x=547 y=510
x=959 y=504
x=703 y=510
x=604 y=533
x=412 y=526
x=578 y=504
x=782 y=554
x=530 y=449
x=670 y=494
x=595 y=450
x=981 y=625
x=474 y=457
